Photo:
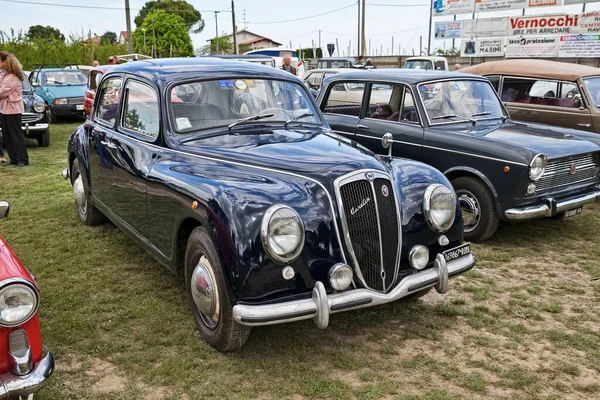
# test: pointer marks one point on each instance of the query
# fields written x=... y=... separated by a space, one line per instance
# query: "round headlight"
x=18 y=303
x=39 y=107
x=340 y=276
x=537 y=167
x=439 y=207
x=282 y=233
x=418 y=257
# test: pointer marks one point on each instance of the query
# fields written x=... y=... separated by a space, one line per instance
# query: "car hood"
x=66 y=91
x=317 y=153
x=552 y=141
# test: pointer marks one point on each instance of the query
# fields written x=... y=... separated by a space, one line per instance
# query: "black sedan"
x=500 y=169
x=227 y=172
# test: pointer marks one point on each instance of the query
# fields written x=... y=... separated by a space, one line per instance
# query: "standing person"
x=95 y=63
x=456 y=67
x=112 y=61
x=287 y=64
x=2 y=159
x=369 y=64
x=11 y=101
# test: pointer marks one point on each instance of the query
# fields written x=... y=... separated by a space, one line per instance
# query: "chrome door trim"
x=476 y=155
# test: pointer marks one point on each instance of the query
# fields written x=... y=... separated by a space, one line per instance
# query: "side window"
x=141 y=112
x=315 y=79
x=440 y=66
x=384 y=101
x=408 y=112
x=533 y=91
x=495 y=81
x=569 y=93
x=108 y=102
x=345 y=98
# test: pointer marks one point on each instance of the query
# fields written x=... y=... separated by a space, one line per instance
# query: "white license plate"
x=457 y=252
x=573 y=212
x=79 y=107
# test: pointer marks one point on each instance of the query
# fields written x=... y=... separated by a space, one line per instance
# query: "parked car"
x=427 y=63
x=500 y=169
x=278 y=53
x=23 y=369
x=93 y=81
x=232 y=176
x=546 y=92
x=336 y=62
x=314 y=78
x=62 y=89
x=255 y=59
x=34 y=120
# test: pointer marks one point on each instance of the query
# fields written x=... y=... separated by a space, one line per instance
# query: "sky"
x=400 y=21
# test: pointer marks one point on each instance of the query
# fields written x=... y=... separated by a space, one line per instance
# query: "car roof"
x=336 y=59
x=534 y=68
x=240 y=56
x=438 y=58
x=174 y=69
x=337 y=70
x=410 y=76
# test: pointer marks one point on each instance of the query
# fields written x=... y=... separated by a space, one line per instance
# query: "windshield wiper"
x=248 y=119
x=481 y=114
x=473 y=121
x=289 y=121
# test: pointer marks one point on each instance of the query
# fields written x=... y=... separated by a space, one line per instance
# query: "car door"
x=391 y=109
x=342 y=105
x=134 y=152
x=545 y=101
x=100 y=148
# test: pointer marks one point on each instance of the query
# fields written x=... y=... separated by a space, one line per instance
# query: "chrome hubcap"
x=79 y=194
x=470 y=209
x=205 y=292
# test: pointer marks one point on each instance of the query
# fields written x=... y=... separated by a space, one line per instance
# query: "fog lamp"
x=531 y=188
x=418 y=257
x=340 y=276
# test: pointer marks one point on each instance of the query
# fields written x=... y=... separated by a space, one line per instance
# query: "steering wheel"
x=277 y=109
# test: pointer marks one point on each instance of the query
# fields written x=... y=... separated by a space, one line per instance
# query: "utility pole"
x=128 y=17
x=363 y=39
x=392 y=45
x=358 y=25
x=429 y=33
x=217 y=31
x=144 y=31
x=320 y=39
x=235 y=43
x=154 y=40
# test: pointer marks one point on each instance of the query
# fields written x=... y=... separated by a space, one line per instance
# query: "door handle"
x=584 y=125
x=359 y=126
x=110 y=145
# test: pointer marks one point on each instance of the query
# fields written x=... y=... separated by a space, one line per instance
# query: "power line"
x=304 y=18
x=38 y=3
x=397 y=5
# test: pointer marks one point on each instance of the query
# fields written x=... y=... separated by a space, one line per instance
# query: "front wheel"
x=480 y=220
x=44 y=140
x=88 y=214
x=208 y=294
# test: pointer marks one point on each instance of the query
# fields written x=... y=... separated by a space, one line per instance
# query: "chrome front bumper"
x=552 y=207
x=15 y=386
x=35 y=128
x=321 y=304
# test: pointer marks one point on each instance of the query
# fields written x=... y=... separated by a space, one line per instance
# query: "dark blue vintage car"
x=500 y=169
x=228 y=172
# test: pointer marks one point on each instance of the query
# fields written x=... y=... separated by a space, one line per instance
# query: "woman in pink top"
x=2 y=159
x=11 y=102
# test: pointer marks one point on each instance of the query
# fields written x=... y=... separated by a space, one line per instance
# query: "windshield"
x=66 y=78
x=210 y=104
x=593 y=87
x=462 y=99
x=418 y=64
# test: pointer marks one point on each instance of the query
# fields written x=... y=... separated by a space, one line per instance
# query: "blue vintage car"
x=62 y=89
x=227 y=172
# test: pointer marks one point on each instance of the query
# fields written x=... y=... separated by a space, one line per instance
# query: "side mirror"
x=578 y=101
x=386 y=141
x=4 y=209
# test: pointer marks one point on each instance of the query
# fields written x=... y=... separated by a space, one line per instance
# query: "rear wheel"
x=480 y=220
x=88 y=214
x=208 y=294
x=44 y=140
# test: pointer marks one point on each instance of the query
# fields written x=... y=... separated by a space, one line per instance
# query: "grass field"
x=524 y=324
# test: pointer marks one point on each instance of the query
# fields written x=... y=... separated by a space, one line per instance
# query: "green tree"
x=225 y=47
x=108 y=37
x=45 y=32
x=171 y=34
x=182 y=8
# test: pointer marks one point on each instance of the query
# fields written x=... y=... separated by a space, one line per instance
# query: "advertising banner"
x=485 y=27
x=503 y=5
x=579 y=46
x=559 y=24
x=482 y=48
x=448 y=30
x=526 y=47
x=452 y=7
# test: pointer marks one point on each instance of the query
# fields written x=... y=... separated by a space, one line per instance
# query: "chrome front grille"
x=369 y=214
x=75 y=100
x=29 y=118
x=568 y=171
